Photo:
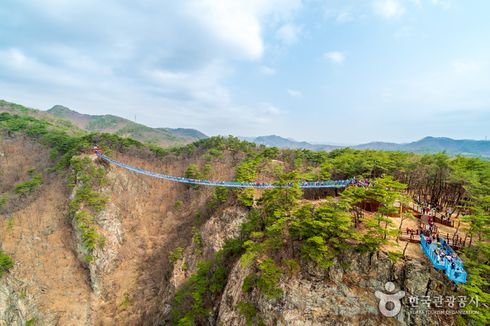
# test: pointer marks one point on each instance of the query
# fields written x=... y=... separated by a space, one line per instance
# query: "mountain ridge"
x=426 y=145
x=127 y=128
x=79 y=122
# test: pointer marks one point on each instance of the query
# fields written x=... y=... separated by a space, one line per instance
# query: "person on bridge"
x=96 y=149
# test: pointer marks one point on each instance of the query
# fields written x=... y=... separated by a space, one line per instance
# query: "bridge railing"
x=456 y=272
x=233 y=184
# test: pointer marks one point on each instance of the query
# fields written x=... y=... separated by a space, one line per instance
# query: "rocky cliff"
x=341 y=295
x=151 y=238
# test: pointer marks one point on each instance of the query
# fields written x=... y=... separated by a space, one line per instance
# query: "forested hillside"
x=64 y=117
x=126 y=128
x=126 y=249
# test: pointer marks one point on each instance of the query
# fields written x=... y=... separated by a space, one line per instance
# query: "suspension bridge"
x=453 y=269
x=230 y=184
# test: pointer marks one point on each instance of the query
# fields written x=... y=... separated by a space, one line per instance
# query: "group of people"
x=433 y=237
x=444 y=254
x=324 y=183
x=444 y=218
x=430 y=222
x=361 y=182
x=96 y=149
x=430 y=210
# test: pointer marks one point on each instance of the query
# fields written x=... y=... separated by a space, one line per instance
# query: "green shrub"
x=176 y=254
x=10 y=223
x=87 y=202
x=6 y=263
x=197 y=239
x=3 y=200
x=292 y=266
x=249 y=282
x=268 y=279
x=246 y=171
x=192 y=172
x=219 y=197
x=195 y=299
x=29 y=186
x=89 y=259
x=192 y=301
x=246 y=197
x=394 y=256
x=247 y=310
x=32 y=321
x=215 y=152
x=208 y=169
x=178 y=204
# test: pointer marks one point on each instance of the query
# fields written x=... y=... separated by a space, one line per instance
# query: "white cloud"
x=16 y=64
x=18 y=59
x=388 y=9
x=344 y=16
x=269 y=109
x=239 y=23
x=294 y=93
x=466 y=66
x=458 y=85
x=335 y=57
x=169 y=60
x=266 y=70
x=288 y=34
x=444 y=4
x=232 y=24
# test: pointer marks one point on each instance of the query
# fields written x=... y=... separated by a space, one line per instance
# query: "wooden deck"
x=455 y=241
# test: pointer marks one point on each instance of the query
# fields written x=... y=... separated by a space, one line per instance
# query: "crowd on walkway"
x=361 y=182
x=432 y=213
x=433 y=210
x=444 y=257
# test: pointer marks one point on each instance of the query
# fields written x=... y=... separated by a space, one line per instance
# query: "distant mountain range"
x=476 y=148
x=78 y=122
x=278 y=141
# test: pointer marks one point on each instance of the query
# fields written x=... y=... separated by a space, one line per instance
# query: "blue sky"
x=317 y=70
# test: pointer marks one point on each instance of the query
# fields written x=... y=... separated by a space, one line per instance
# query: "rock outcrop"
x=212 y=235
x=16 y=306
x=341 y=295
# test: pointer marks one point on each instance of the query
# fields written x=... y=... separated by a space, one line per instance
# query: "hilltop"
x=126 y=128
x=427 y=145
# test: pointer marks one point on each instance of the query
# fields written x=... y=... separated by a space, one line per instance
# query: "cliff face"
x=16 y=308
x=155 y=235
x=142 y=223
x=207 y=240
x=51 y=281
x=47 y=283
x=342 y=295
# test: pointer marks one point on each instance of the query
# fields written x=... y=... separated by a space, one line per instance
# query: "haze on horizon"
x=327 y=71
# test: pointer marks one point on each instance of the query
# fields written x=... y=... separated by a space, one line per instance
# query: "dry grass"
x=39 y=240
